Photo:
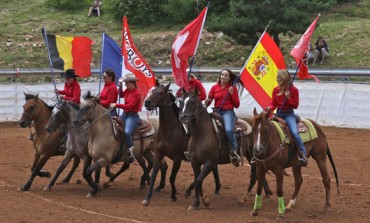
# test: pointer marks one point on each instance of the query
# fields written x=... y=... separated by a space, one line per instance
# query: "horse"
x=46 y=144
x=273 y=153
x=103 y=144
x=77 y=141
x=209 y=148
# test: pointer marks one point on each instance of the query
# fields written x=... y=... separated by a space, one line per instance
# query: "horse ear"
x=254 y=111
x=167 y=86
x=157 y=83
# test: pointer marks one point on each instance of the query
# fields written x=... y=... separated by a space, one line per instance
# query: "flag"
x=111 y=56
x=184 y=46
x=300 y=52
x=134 y=63
x=70 y=52
x=260 y=70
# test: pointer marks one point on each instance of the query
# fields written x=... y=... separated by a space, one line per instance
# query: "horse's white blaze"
x=185 y=102
x=258 y=138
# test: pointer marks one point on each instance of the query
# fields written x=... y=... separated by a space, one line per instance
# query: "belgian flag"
x=70 y=53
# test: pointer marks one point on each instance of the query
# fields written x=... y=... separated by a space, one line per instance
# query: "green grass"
x=346 y=28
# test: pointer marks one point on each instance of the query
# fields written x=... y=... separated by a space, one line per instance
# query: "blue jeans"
x=131 y=120
x=229 y=118
x=113 y=112
x=291 y=122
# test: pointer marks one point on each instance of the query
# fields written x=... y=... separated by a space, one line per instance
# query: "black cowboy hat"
x=70 y=73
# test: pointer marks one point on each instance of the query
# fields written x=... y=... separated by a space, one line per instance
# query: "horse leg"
x=197 y=170
x=175 y=169
x=62 y=166
x=35 y=171
x=279 y=192
x=148 y=155
x=76 y=162
x=108 y=173
x=123 y=168
x=217 y=180
x=41 y=173
x=145 y=175
x=157 y=159
x=298 y=180
x=260 y=172
x=163 y=169
x=321 y=163
x=94 y=167
x=207 y=168
x=97 y=175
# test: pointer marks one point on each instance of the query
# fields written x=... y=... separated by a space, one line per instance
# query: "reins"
x=91 y=123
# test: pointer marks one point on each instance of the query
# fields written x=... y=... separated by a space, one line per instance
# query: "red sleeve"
x=76 y=95
x=294 y=97
x=201 y=91
x=112 y=96
x=64 y=91
x=235 y=98
x=131 y=102
x=272 y=105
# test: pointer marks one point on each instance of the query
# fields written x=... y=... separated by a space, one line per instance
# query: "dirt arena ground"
x=122 y=201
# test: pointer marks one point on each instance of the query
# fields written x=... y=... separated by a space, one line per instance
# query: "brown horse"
x=271 y=154
x=103 y=144
x=171 y=140
x=46 y=144
x=208 y=147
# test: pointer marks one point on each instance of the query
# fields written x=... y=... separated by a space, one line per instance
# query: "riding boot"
x=234 y=157
x=131 y=156
x=302 y=159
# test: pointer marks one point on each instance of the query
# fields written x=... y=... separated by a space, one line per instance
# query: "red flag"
x=135 y=63
x=260 y=70
x=300 y=52
x=184 y=46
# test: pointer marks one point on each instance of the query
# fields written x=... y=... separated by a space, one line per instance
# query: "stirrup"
x=302 y=161
x=234 y=158
x=187 y=156
x=131 y=158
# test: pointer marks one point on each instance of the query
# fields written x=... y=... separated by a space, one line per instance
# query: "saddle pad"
x=305 y=136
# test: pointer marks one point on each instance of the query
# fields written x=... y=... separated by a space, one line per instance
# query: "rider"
x=130 y=115
x=285 y=98
x=226 y=97
x=71 y=92
x=109 y=93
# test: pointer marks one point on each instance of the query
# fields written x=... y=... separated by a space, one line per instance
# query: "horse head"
x=32 y=109
x=87 y=110
x=191 y=108
x=261 y=130
x=157 y=97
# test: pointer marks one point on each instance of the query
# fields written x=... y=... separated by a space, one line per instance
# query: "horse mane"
x=36 y=96
x=87 y=95
x=175 y=108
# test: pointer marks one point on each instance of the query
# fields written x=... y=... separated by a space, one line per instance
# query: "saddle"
x=305 y=129
x=240 y=125
x=143 y=130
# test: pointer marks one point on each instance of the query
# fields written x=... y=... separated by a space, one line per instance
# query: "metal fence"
x=342 y=74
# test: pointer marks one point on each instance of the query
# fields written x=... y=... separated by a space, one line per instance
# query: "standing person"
x=286 y=99
x=71 y=92
x=109 y=94
x=321 y=50
x=95 y=7
x=226 y=97
x=72 y=89
x=194 y=84
x=130 y=116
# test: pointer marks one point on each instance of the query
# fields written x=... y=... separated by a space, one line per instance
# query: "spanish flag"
x=70 y=53
x=260 y=70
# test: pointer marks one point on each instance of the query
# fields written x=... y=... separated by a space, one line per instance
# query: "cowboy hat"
x=127 y=78
x=70 y=73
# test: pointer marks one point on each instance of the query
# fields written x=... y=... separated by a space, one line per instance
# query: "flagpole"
x=50 y=63
x=196 y=47
x=101 y=62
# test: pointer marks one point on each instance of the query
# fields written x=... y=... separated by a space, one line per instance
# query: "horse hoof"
x=205 y=201
x=187 y=194
x=142 y=186
x=280 y=217
x=21 y=189
x=106 y=185
x=244 y=199
x=145 y=203
x=78 y=181
x=158 y=189
x=62 y=182
x=90 y=195
x=46 y=189
x=288 y=210
x=217 y=192
x=253 y=213
x=192 y=208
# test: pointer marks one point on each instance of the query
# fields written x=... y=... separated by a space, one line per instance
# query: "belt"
x=130 y=113
x=219 y=109
x=288 y=111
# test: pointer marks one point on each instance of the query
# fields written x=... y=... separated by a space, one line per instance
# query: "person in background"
x=194 y=84
x=130 y=116
x=109 y=93
x=72 y=89
x=226 y=97
x=321 y=50
x=95 y=7
x=285 y=98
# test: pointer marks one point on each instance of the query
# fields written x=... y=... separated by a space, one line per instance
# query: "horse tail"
x=334 y=169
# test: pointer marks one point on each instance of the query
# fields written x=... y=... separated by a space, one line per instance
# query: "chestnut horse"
x=271 y=154
x=103 y=144
x=36 y=113
x=208 y=148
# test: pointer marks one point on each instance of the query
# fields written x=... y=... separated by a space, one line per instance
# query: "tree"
x=248 y=18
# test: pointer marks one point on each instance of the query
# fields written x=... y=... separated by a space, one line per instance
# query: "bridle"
x=197 y=111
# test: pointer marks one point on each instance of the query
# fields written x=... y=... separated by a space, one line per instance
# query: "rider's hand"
x=56 y=91
x=231 y=90
x=287 y=94
x=113 y=105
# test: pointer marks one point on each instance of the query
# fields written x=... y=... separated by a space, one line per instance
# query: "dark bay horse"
x=171 y=139
x=46 y=144
x=103 y=144
x=209 y=149
x=272 y=154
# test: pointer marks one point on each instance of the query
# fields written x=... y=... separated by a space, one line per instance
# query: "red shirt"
x=277 y=100
x=71 y=92
x=132 y=100
x=109 y=94
x=218 y=93
x=194 y=84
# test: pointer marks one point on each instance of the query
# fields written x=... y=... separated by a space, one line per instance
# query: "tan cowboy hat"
x=127 y=78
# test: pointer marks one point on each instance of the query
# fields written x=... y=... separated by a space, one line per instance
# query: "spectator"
x=321 y=50
x=95 y=7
